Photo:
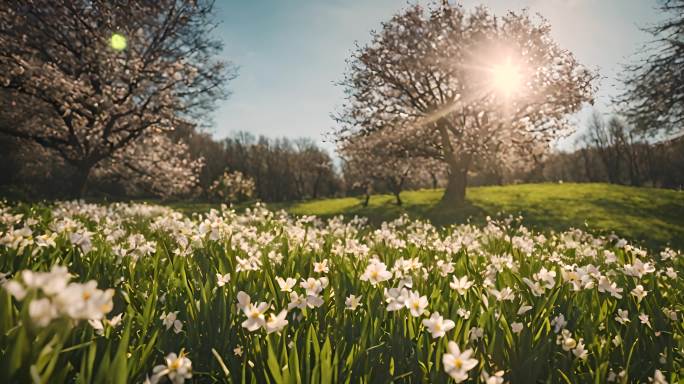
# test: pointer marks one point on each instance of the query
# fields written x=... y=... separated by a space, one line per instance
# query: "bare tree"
x=458 y=87
x=112 y=75
x=607 y=139
x=653 y=100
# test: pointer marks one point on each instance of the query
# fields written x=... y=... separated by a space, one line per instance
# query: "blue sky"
x=291 y=53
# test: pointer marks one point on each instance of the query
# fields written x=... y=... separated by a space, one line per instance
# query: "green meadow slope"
x=654 y=217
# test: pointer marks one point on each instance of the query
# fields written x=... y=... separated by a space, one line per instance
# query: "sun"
x=506 y=77
x=118 y=42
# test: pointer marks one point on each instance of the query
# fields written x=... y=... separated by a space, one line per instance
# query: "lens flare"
x=506 y=78
x=118 y=42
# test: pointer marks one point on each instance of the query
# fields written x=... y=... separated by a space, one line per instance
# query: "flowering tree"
x=460 y=87
x=111 y=79
x=233 y=187
x=154 y=164
x=366 y=163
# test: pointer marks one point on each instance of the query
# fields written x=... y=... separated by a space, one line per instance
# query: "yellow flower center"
x=458 y=363
x=570 y=343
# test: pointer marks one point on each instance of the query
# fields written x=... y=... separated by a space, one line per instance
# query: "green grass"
x=652 y=216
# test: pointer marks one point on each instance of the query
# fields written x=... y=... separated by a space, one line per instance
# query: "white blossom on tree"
x=111 y=76
x=154 y=164
x=459 y=87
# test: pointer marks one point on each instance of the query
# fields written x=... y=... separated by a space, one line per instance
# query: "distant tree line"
x=281 y=169
x=609 y=151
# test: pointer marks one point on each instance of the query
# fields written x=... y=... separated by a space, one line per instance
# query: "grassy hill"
x=652 y=216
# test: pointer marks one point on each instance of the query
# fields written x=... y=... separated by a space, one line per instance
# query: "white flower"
x=460 y=285
x=395 y=298
x=524 y=309
x=671 y=273
x=222 y=279
x=622 y=316
x=312 y=286
x=445 y=267
x=51 y=283
x=645 y=319
x=504 y=294
x=579 y=350
x=177 y=368
x=170 y=320
x=243 y=300
x=566 y=341
x=84 y=301
x=116 y=320
x=437 y=326
x=15 y=289
x=286 y=285
x=255 y=316
x=376 y=272
x=238 y=351
x=416 y=304
x=558 y=323
x=177 y=326
x=457 y=364
x=638 y=268
x=547 y=277
x=463 y=313
x=605 y=285
x=517 y=327
x=99 y=325
x=639 y=292
x=352 y=302
x=82 y=240
x=42 y=312
x=296 y=301
x=476 y=333
x=321 y=267
x=658 y=378
x=276 y=323
x=617 y=340
x=496 y=378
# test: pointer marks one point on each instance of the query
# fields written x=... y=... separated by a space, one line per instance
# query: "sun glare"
x=506 y=78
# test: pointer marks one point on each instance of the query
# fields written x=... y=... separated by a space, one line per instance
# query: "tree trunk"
x=367 y=195
x=455 y=192
x=79 y=181
x=396 y=196
x=457 y=178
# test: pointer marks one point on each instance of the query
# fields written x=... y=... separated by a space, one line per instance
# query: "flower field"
x=140 y=293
